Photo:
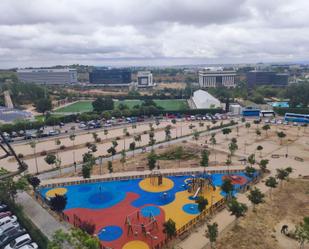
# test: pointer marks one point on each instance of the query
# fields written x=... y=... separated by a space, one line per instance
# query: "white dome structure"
x=204 y=100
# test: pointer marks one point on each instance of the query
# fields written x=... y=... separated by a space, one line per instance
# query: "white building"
x=217 y=78
x=204 y=100
x=48 y=76
x=235 y=109
x=144 y=79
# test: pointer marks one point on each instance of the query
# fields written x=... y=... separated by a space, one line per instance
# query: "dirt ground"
x=259 y=229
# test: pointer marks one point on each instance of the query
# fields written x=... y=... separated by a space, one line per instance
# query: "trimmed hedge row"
x=283 y=110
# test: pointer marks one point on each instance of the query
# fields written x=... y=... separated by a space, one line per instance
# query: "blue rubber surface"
x=110 y=233
x=148 y=210
x=191 y=208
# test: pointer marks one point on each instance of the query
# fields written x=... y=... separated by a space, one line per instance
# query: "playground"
x=130 y=213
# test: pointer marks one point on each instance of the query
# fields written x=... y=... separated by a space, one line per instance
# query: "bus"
x=267 y=113
x=300 y=118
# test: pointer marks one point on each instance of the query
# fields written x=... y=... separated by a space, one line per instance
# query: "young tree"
x=196 y=135
x=266 y=128
x=167 y=131
x=123 y=158
x=236 y=208
x=258 y=133
x=302 y=232
x=226 y=131
x=86 y=169
x=58 y=203
x=201 y=203
x=152 y=141
x=88 y=157
x=271 y=182
x=50 y=159
x=256 y=197
x=138 y=138
x=233 y=146
x=205 y=158
x=43 y=105
x=110 y=166
x=112 y=151
x=283 y=174
x=132 y=147
x=33 y=146
x=72 y=138
x=212 y=233
x=260 y=148
x=248 y=125
x=257 y=122
x=251 y=159
x=228 y=188
x=169 y=228
x=281 y=135
x=105 y=133
x=263 y=165
x=152 y=160
x=250 y=171
x=95 y=136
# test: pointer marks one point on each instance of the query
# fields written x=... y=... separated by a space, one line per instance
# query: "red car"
x=5 y=214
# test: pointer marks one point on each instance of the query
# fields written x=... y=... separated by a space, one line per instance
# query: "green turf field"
x=166 y=104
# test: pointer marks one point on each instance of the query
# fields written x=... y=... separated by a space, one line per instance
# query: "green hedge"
x=283 y=110
x=25 y=222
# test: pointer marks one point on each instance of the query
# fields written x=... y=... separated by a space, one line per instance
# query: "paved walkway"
x=39 y=216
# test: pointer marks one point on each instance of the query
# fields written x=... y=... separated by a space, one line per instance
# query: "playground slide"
x=196 y=193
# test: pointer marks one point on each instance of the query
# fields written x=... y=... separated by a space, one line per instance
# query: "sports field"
x=166 y=104
x=128 y=214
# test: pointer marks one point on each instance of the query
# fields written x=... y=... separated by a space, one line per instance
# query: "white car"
x=8 y=226
x=7 y=219
x=19 y=242
x=30 y=246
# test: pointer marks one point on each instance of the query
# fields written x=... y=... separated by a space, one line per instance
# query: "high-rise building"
x=144 y=79
x=259 y=78
x=218 y=78
x=48 y=76
x=110 y=77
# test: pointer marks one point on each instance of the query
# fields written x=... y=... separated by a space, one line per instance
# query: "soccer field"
x=166 y=104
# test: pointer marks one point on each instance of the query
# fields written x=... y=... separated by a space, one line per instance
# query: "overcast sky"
x=152 y=32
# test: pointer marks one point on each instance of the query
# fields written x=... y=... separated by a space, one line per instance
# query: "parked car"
x=7 y=219
x=3 y=207
x=53 y=132
x=30 y=246
x=7 y=226
x=10 y=235
x=5 y=214
x=19 y=242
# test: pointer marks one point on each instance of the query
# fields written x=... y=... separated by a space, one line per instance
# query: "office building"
x=110 y=77
x=217 y=78
x=48 y=76
x=203 y=100
x=259 y=78
x=144 y=79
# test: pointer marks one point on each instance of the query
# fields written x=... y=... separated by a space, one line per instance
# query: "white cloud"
x=48 y=32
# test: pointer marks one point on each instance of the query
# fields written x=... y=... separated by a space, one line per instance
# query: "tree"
x=260 y=148
x=95 y=136
x=167 y=131
x=110 y=166
x=152 y=141
x=93 y=148
x=205 y=158
x=105 y=133
x=86 y=170
x=212 y=233
x=226 y=131
x=72 y=138
x=102 y=104
x=43 y=105
x=257 y=122
x=251 y=159
x=33 y=146
x=266 y=128
x=201 y=203
x=250 y=171
x=263 y=165
x=50 y=159
x=123 y=158
x=302 y=232
x=196 y=135
x=233 y=146
x=88 y=157
x=112 y=151
x=152 y=160
x=138 y=138
x=58 y=203
x=10 y=187
x=34 y=181
x=169 y=228
x=281 y=135
x=283 y=174
x=132 y=147
x=227 y=187
x=258 y=133
x=236 y=208
x=248 y=125
x=271 y=182
x=256 y=197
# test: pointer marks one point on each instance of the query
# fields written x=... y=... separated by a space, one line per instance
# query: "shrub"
x=62 y=147
x=20 y=155
x=43 y=153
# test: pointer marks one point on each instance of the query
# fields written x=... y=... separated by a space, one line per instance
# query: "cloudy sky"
x=152 y=32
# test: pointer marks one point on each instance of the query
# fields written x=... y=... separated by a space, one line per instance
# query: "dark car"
x=3 y=207
x=11 y=234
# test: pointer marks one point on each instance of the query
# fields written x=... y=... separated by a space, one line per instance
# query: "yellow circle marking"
x=56 y=191
x=151 y=185
x=135 y=244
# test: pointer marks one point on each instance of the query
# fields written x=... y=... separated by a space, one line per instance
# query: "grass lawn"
x=167 y=104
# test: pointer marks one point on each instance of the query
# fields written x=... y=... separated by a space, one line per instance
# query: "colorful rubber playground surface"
x=129 y=214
